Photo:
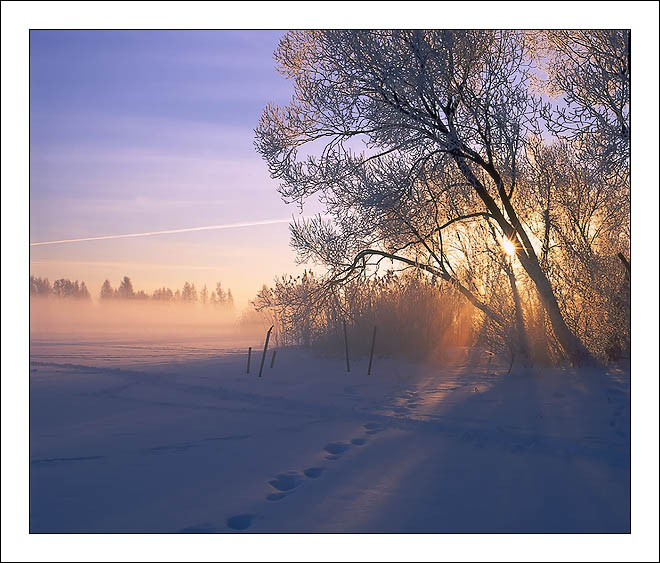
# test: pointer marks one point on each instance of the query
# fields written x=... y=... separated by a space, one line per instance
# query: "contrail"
x=171 y=231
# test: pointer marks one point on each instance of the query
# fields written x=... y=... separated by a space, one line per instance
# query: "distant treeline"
x=61 y=288
x=67 y=289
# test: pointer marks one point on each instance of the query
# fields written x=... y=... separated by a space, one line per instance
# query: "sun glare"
x=509 y=247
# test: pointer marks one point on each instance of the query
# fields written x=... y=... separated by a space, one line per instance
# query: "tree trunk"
x=574 y=349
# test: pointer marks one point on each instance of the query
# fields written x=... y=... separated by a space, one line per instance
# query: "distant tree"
x=177 y=295
x=106 y=291
x=67 y=289
x=204 y=295
x=125 y=290
x=142 y=295
x=83 y=292
x=221 y=295
x=39 y=287
x=189 y=293
x=64 y=288
x=230 y=299
x=163 y=294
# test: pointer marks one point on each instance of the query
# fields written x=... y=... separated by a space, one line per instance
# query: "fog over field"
x=129 y=319
x=134 y=333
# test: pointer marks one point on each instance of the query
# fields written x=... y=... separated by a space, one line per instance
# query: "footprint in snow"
x=336 y=449
x=285 y=482
x=313 y=472
x=359 y=441
x=240 y=521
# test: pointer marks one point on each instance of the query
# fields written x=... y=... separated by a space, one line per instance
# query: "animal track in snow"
x=359 y=441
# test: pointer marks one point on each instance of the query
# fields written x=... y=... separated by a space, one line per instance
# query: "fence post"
x=371 y=355
x=272 y=359
x=348 y=365
x=249 y=356
x=263 y=356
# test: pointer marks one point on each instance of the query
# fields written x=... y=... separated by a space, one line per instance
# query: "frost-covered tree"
x=415 y=141
x=588 y=74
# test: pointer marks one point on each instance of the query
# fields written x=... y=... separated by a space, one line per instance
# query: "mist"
x=136 y=321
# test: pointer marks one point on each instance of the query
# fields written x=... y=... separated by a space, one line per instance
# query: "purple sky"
x=134 y=131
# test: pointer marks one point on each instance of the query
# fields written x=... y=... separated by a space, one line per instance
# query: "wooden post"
x=348 y=365
x=371 y=355
x=272 y=359
x=263 y=356
x=249 y=356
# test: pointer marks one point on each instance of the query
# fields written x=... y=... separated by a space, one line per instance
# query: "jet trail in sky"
x=171 y=231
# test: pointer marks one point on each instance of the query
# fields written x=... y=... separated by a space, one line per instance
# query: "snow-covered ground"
x=176 y=437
